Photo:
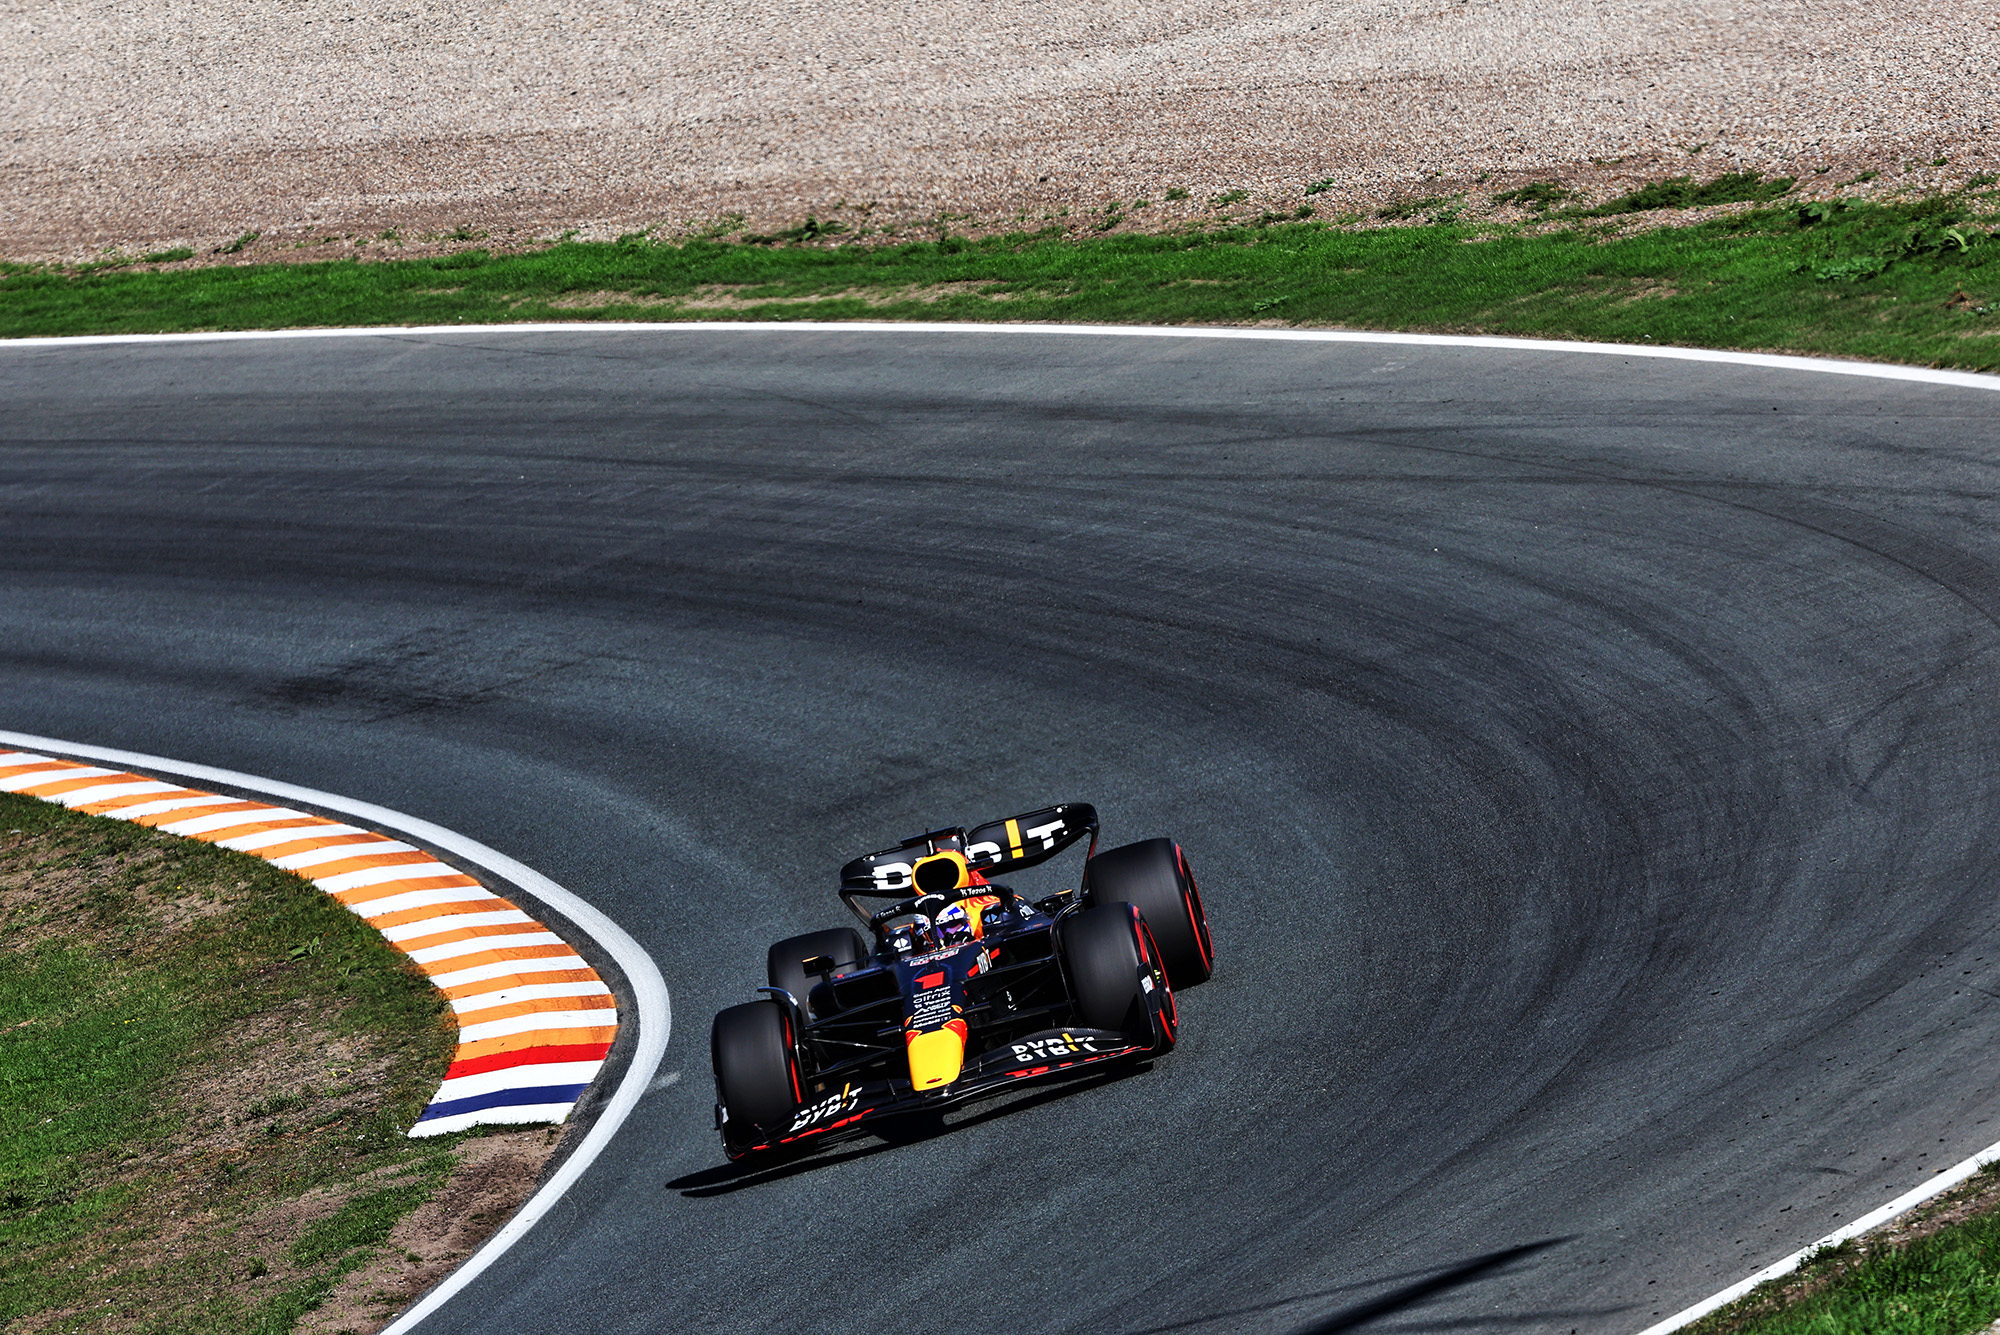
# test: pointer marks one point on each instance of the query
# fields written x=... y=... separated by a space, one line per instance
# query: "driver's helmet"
x=954 y=926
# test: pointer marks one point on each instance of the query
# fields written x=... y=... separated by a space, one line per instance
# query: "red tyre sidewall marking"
x=792 y=1064
x=1149 y=952
x=1197 y=920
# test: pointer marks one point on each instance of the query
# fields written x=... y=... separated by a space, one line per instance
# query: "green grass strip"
x=1912 y=282
x=1944 y=1282
x=137 y=973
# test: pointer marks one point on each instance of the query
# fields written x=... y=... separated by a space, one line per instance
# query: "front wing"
x=854 y=1108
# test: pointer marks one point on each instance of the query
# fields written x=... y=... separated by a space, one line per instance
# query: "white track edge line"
x=1767 y=360
x=649 y=990
x=1903 y=1204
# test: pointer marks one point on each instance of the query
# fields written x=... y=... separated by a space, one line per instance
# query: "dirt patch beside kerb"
x=246 y=1166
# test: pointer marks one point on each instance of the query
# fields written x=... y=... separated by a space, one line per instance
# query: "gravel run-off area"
x=144 y=126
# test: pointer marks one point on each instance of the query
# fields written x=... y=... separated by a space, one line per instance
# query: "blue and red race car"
x=961 y=987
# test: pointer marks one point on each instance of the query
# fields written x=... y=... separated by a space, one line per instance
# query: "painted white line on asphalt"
x=420 y=899
x=104 y=792
x=357 y=847
x=14 y=783
x=361 y=880
x=451 y=950
x=651 y=1004
x=453 y=922
x=507 y=996
x=174 y=804
x=194 y=825
x=1942 y=1182
x=547 y=1074
x=536 y=1021
x=483 y=973
x=1766 y=360
x=444 y=1126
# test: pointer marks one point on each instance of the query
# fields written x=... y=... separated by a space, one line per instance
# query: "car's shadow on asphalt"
x=893 y=1133
x=1398 y=1294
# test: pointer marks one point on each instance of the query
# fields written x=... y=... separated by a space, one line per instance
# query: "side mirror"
x=818 y=965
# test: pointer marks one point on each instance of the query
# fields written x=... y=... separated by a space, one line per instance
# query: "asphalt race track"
x=1590 y=764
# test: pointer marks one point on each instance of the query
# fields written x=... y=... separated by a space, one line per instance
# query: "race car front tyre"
x=1154 y=875
x=756 y=1073
x=785 y=965
x=1115 y=976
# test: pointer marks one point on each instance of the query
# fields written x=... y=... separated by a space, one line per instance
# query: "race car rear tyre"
x=785 y=964
x=756 y=1072
x=1154 y=875
x=1114 y=975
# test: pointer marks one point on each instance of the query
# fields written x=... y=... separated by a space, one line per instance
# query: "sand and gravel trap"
x=149 y=123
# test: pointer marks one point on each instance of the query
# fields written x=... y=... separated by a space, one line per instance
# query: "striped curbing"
x=535 y=1022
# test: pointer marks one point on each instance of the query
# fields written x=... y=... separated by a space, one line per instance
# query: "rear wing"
x=1000 y=846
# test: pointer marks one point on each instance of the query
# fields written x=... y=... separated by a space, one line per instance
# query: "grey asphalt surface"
x=1589 y=763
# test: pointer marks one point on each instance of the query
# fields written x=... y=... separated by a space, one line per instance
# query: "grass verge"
x=1913 y=281
x=1935 y=1271
x=206 y=1069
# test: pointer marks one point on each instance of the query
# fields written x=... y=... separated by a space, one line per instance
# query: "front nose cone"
x=938 y=1056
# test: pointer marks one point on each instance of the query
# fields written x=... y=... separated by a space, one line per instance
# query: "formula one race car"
x=961 y=988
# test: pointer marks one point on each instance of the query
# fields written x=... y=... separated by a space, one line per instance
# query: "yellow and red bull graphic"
x=935 y=1031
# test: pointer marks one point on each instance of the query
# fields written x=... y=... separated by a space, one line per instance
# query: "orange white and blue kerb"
x=534 y=1021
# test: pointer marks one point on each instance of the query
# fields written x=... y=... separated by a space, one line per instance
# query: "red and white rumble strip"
x=535 y=1021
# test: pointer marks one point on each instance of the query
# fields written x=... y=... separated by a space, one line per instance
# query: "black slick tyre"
x=1114 y=974
x=756 y=1073
x=1154 y=875
x=785 y=965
